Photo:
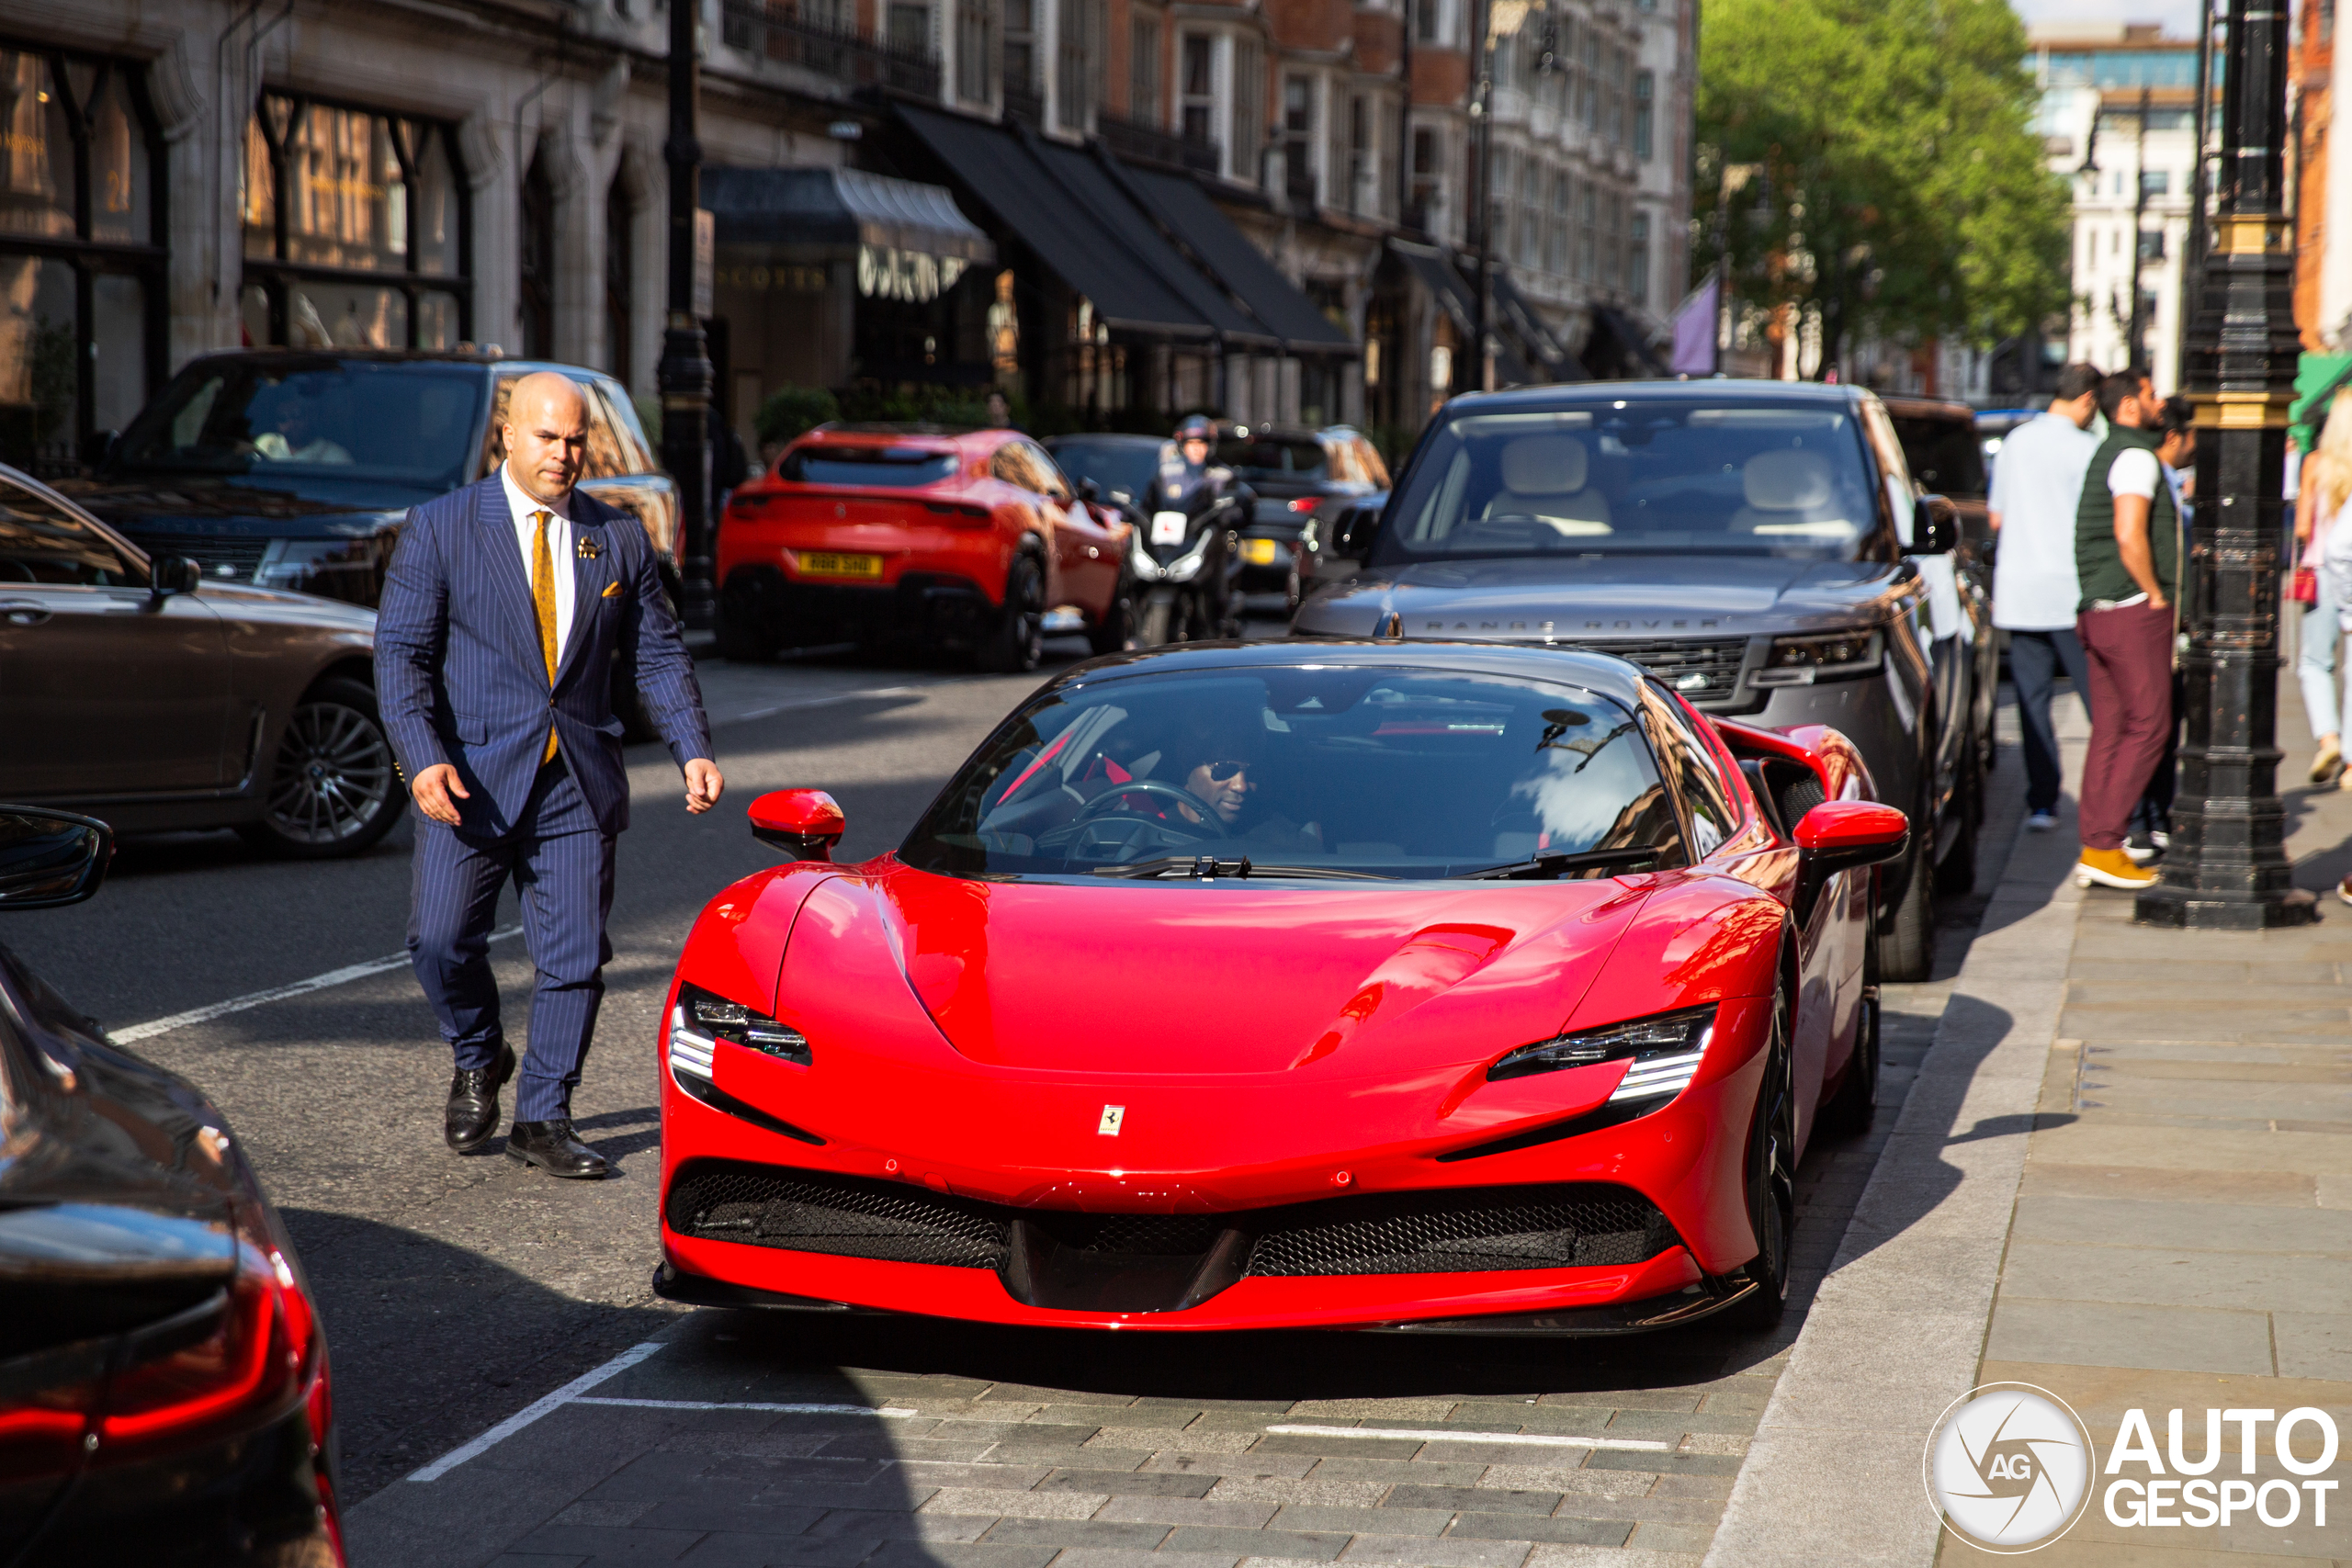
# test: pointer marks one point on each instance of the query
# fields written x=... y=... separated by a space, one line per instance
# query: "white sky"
x=2178 y=17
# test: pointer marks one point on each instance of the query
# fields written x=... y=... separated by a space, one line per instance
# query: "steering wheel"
x=1103 y=805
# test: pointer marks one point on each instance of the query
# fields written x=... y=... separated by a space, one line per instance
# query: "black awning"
x=1097 y=190
x=1275 y=302
x=1618 y=349
x=839 y=207
x=1519 y=316
x=1445 y=283
x=1000 y=173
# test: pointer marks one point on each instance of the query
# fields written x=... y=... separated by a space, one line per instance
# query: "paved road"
x=457 y=1292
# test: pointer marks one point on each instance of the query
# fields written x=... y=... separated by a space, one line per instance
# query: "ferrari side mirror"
x=48 y=859
x=1838 y=835
x=806 y=822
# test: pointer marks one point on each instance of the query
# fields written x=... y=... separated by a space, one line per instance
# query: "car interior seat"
x=1790 y=490
x=1543 y=478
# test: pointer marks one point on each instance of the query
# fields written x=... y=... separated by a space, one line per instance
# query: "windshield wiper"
x=1209 y=866
x=1556 y=863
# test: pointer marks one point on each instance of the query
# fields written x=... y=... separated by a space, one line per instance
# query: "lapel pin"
x=589 y=548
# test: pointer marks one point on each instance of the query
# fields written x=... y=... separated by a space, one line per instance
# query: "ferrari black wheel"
x=1771 y=1181
x=1017 y=644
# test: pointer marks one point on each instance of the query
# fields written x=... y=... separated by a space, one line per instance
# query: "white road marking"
x=532 y=1411
x=1430 y=1434
x=344 y=975
x=836 y=697
x=741 y=1404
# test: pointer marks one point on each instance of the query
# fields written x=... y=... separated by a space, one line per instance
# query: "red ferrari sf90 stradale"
x=1454 y=987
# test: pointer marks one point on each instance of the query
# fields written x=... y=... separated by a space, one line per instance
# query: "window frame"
x=275 y=275
x=88 y=258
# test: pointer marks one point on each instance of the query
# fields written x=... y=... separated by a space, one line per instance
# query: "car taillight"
x=1306 y=504
x=233 y=1361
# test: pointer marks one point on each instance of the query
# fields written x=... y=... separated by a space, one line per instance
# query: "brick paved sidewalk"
x=2124 y=1176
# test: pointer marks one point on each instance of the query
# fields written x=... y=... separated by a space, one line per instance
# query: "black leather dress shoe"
x=551 y=1147
x=473 y=1117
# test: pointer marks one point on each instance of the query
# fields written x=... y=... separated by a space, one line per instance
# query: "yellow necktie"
x=543 y=601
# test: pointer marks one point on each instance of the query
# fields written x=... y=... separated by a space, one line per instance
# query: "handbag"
x=2303 y=587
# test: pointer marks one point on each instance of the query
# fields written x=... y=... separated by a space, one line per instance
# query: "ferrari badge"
x=589 y=548
x=1111 y=1116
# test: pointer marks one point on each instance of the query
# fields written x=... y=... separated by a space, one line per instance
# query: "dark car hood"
x=1627 y=595
x=212 y=503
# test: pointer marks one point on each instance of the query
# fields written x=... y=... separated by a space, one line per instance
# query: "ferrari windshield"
x=1329 y=771
x=1639 y=476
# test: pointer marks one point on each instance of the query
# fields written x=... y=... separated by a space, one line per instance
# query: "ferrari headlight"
x=1666 y=1051
x=701 y=1020
x=1802 y=661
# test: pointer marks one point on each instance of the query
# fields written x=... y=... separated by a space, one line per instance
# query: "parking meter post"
x=2227 y=867
x=686 y=374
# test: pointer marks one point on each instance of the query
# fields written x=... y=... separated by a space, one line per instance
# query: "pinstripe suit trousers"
x=561 y=864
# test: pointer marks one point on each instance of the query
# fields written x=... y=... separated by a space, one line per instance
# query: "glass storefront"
x=355 y=229
x=82 y=216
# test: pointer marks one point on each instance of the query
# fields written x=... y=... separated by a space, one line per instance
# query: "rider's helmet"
x=1197 y=428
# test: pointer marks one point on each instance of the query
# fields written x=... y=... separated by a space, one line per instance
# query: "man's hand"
x=703 y=784
x=432 y=789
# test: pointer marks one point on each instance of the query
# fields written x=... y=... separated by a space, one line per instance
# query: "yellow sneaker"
x=2112 y=868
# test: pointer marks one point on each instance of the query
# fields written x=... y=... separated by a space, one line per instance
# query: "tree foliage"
x=1896 y=184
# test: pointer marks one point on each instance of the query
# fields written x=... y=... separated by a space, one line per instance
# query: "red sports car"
x=870 y=533
x=1345 y=984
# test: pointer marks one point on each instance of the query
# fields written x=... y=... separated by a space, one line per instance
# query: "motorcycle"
x=1182 y=558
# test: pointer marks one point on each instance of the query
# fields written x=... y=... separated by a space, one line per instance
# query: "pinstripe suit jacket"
x=461 y=677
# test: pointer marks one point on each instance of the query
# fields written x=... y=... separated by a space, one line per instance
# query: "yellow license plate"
x=1260 y=552
x=827 y=563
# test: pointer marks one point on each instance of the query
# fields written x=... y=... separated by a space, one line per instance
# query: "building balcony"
x=777 y=30
x=1142 y=143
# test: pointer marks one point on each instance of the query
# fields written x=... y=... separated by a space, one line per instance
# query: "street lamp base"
x=2198 y=909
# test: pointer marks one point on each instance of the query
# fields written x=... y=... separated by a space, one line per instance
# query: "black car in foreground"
x=293 y=469
x=164 y=1391
x=1759 y=546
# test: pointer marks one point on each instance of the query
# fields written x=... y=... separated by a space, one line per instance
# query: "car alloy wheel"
x=1772 y=1180
x=332 y=789
x=1018 y=643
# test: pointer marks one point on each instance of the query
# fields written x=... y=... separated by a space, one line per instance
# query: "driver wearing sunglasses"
x=1223 y=785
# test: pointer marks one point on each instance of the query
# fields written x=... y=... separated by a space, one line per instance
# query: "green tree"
x=1884 y=168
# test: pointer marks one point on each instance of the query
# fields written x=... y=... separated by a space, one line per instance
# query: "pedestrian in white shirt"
x=2037 y=483
x=2326 y=480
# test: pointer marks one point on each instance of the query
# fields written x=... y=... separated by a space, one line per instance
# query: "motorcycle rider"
x=1192 y=485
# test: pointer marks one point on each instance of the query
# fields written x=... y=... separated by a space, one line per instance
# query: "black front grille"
x=839 y=1215
x=230 y=557
x=1491 y=1229
x=1703 y=670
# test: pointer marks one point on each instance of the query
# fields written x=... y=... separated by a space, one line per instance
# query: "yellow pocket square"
x=611 y=591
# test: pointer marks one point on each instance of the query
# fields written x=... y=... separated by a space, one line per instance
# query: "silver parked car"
x=128 y=694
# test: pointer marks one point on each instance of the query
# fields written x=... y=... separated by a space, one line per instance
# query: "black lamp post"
x=2227 y=868
x=685 y=373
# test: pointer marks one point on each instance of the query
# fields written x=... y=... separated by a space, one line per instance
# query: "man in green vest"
x=2127 y=557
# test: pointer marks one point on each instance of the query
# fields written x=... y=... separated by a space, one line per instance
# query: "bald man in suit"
x=507 y=605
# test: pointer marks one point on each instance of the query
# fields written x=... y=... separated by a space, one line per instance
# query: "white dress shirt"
x=2037 y=489
x=519 y=503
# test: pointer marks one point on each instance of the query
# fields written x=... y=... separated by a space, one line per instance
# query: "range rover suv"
x=1759 y=546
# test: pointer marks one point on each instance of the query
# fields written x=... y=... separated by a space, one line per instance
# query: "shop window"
x=973 y=27
x=330 y=190
x=1079 y=51
x=82 y=221
x=536 y=262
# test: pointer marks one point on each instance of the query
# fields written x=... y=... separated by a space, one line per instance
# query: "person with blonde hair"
x=2326 y=482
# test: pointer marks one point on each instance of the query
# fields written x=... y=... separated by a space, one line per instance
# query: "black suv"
x=293 y=467
x=1759 y=546
x=1293 y=472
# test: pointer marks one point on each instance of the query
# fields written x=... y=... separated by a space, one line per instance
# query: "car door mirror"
x=1935 y=526
x=48 y=859
x=1838 y=835
x=1351 y=539
x=806 y=822
x=167 y=575
x=1087 y=491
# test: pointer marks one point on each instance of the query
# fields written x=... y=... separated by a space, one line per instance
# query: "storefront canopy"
x=1436 y=271
x=1619 y=348
x=1275 y=303
x=844 y=207
x=998 y=171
